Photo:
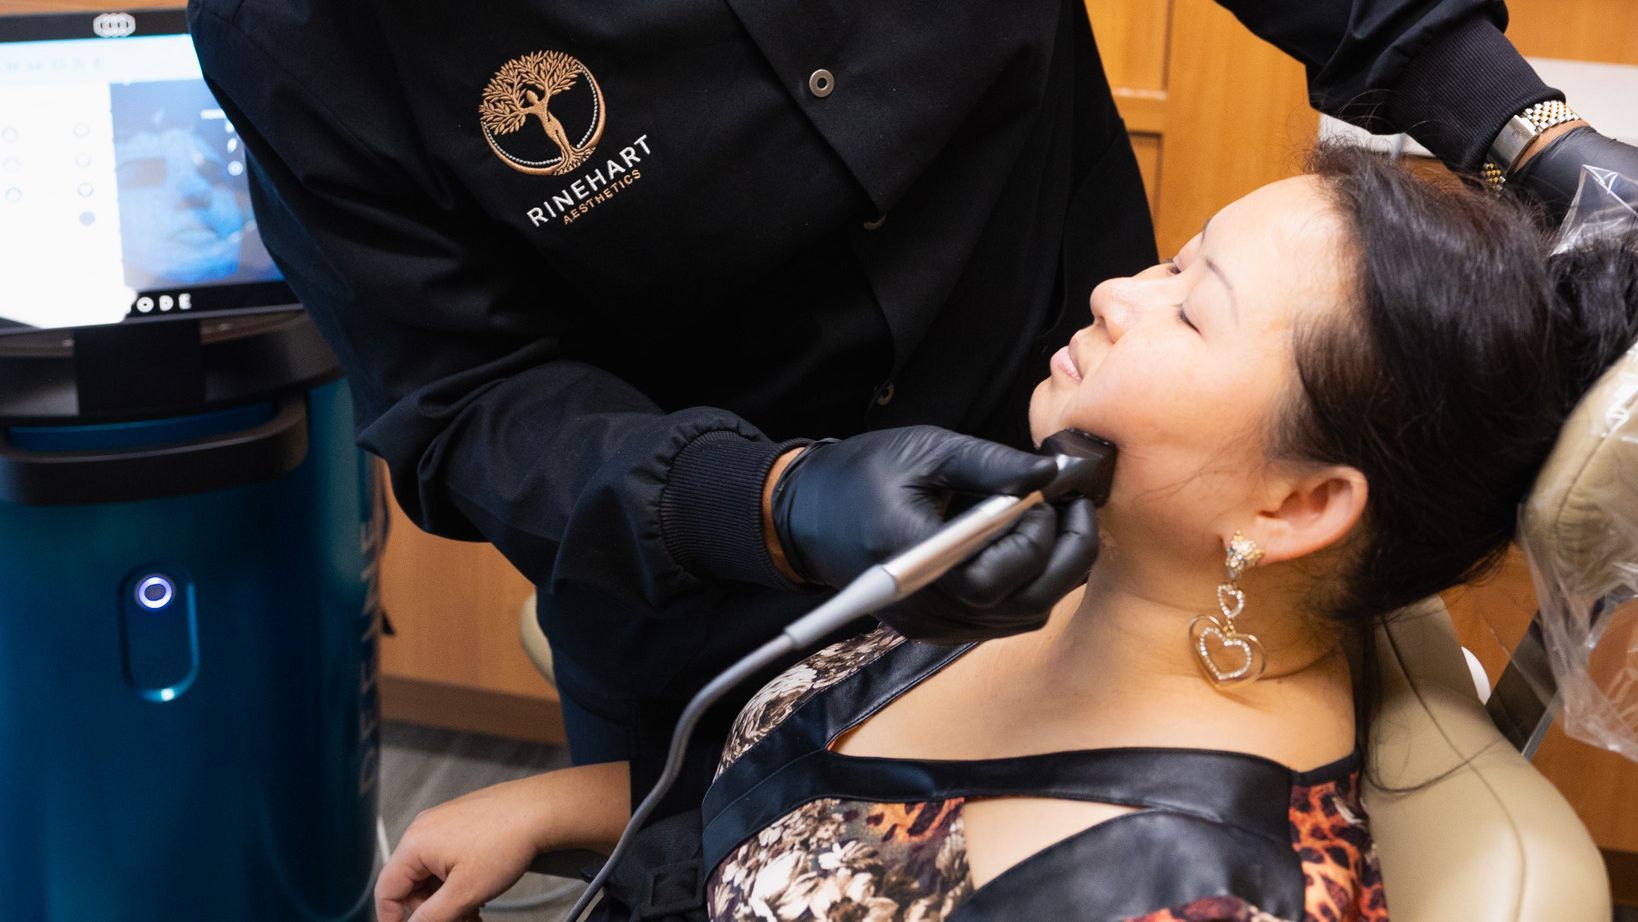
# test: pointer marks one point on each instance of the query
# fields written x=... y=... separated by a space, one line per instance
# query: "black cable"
x=701 y=702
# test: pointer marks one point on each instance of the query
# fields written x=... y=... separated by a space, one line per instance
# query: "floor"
x=422 y=767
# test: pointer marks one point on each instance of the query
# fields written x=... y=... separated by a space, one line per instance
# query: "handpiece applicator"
x=1086 y=467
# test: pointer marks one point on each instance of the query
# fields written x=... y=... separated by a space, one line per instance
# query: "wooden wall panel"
x=1237 y=118
x=454 y=606
x=1586 y=30
x=1148 y=147
x=1132 y=39
x=455 y=659
x=1603 y=788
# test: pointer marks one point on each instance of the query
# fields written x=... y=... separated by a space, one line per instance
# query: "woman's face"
x=180 y=215
x=1186 y=364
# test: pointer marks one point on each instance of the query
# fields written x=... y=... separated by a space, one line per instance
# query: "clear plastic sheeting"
x=1579 y=526
x=1606 y=202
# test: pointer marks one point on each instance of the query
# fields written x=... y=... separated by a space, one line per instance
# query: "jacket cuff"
x=711 y=508
x=1456 y=95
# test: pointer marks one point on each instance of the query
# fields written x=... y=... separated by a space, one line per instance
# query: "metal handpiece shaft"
x=964 y=536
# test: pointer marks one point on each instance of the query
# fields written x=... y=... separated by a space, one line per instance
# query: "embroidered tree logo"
x=521 y=93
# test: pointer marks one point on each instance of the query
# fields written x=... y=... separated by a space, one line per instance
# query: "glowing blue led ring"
x=167 y=592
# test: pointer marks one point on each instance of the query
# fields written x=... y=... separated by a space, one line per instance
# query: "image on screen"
x=184 y=207
x=123 y=187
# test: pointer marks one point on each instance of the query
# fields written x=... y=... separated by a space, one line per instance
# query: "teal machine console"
x=188 y=617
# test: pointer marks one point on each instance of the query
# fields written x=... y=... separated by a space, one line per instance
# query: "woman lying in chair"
x=1328 y=406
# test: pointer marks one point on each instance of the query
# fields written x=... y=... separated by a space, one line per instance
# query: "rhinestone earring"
x=1226 y=656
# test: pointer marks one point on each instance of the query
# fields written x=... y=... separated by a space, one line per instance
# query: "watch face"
x=1515 y=136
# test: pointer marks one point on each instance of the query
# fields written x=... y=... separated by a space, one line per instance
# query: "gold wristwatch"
x=1517 y=134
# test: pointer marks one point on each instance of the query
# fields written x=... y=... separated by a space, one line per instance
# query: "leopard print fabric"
x=1332 y=838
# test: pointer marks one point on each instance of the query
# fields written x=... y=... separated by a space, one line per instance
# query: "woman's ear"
x=1316 y=510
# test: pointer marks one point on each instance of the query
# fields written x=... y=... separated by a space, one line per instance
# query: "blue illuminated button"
x=159 y=632
x=155 y=592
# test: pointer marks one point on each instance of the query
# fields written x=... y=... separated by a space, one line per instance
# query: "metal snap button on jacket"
x=884 y=394
x=878 y=222
x=821 y=82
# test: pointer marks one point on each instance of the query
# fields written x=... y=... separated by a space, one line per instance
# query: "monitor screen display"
x=122 y=184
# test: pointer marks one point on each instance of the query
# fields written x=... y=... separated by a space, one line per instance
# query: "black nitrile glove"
x=1552 y=176
x=842 y=507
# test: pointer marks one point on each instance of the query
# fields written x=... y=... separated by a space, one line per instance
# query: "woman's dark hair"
x=1447 y=382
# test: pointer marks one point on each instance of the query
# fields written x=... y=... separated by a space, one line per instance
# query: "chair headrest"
x=1579 y=530
x=1580 y=521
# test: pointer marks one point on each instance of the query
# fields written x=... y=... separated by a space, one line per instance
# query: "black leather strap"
x=1133 y=865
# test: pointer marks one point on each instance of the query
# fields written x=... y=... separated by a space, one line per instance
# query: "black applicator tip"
x=1086 y=465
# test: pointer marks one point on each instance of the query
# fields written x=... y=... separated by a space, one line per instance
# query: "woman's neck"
x=1121 y=651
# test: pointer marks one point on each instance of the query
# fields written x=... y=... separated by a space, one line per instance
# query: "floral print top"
x=840 y=859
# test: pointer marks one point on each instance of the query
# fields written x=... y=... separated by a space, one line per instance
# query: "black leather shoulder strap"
x=1140 y=863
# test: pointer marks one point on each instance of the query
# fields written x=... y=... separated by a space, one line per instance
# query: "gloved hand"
x=1552 y=176
x=843 y=506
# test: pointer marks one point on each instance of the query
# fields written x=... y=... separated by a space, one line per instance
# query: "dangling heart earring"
x=1226 y=656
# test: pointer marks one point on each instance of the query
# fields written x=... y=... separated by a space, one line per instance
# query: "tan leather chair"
x=1479 y=835
x=534 y=640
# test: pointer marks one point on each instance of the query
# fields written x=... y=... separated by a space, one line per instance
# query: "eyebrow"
x=1221 y=277
x=1217 y=270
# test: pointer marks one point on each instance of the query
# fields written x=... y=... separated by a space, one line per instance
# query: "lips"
x=1063 y=361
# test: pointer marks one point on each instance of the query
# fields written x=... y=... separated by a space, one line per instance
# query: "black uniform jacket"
x=588 y=262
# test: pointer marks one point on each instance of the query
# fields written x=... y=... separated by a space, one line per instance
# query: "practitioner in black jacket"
x=598 y=268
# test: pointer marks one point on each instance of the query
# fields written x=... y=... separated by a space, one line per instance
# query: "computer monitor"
x=123 y=195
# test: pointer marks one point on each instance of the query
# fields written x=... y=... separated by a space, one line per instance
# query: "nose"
x=1113 y=306
x=1118 y=304
x=192 y=190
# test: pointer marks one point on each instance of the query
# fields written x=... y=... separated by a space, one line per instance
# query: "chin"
x=1042 y=412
